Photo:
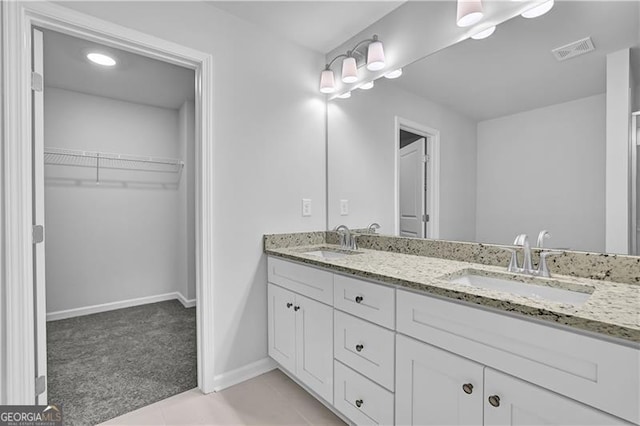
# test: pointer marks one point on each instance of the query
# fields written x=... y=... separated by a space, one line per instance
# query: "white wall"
x=362 y=155
x=269 y=149
x=544 y=169
x=117 y=240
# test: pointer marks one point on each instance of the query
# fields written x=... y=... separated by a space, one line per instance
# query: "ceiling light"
x=375 y=55
x=366 y=86
x=327 y=81
x=101 y=59
x=538 y=10
x=484 y=33
x=345 y=95
x=394 y=74
x=469 y=12
x=349 y=70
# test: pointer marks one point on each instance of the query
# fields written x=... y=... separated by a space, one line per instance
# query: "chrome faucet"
x=373 y=227
x=541 y=237
x=347 y=240
x=522 y=240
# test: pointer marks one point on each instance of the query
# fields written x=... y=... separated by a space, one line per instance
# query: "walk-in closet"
x=119 y=207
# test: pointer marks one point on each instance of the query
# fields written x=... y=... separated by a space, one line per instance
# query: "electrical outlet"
x=344 y=207
x=306 y=207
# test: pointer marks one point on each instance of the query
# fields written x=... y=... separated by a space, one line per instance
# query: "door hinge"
x=425 y=158
x=41 y=385
x=425 y=218
x=38 y=234
x=36 y=81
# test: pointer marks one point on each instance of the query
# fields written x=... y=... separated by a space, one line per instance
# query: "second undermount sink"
x=550 y=291
x=330 y=253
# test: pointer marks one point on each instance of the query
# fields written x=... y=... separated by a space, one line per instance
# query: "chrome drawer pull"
x=467 y=388
x=359 y=299
x=359 y=403
x=494 y=400
x=359 y=348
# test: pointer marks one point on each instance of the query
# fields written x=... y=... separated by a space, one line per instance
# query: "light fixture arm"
x=350 y=52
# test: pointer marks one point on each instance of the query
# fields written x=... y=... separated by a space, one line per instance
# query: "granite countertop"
x=612 y=309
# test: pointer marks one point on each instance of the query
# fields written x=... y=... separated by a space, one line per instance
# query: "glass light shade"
x=538 y=10
x=345 y=95
x=366 y=86
x=101 y=59
x=469 y=12
x=394 y=74
x=349 y=70
x=327 y=82
x=484 y=33
x=375 y=56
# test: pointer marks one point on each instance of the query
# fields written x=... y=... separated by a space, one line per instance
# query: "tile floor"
x=269 y=399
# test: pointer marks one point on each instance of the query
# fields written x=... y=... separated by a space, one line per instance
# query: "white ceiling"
x=514 y=70
x=317 y=25
x=134 y=79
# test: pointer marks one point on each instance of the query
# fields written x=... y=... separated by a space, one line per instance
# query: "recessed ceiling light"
x=101 y=59
x=469 y=12
x=366 y=86
x=538 y=10
x=345 y=95
x=484 y=33
x=394 y=74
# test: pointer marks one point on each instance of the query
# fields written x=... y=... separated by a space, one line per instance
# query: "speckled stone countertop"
x=612 y=309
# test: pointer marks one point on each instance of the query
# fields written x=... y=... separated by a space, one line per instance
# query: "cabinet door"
x=522 y=403
x=435 y=387
x=282 y=330
x=314 y=346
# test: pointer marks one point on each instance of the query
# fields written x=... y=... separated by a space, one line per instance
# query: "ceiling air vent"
x=574 y=49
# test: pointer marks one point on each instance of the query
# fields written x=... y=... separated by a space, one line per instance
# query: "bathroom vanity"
x=393 y=338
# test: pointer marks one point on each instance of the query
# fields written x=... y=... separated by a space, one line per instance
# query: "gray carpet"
x=107 y=364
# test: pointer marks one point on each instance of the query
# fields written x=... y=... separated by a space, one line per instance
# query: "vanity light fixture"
x=394 y=74
x=469 y=12
x=484 y=33
x=538 y=10
x=366 y=86
x=345 y=95
x=101 y=59
x=375 y=62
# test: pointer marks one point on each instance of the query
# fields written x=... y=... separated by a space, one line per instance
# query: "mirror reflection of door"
x=412 y=185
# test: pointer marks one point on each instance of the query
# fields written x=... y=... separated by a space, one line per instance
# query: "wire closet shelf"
x=100 y=160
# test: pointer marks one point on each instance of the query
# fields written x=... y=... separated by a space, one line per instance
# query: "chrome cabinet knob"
x=296 y=308
x=359 y=403
x=494 y=400
x=467 y=388
x=359 y=299
x=359 y=348
x=289 y=304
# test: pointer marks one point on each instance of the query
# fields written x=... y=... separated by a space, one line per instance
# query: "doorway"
x=114 y=157
x=417 y=188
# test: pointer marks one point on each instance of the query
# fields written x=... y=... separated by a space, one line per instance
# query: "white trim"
x=187 y=303
x=239 y=375
x=433 y=152
x=17 y=20
x=112 y=306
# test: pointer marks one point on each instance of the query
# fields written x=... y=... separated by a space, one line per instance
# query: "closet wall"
x=123 y=238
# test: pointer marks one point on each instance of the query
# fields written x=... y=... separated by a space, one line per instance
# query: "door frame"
x=17 y=312
x=433 y=173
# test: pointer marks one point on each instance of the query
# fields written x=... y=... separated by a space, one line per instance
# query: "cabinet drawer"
x=352 y=389
x=373 y=302
x=311 y=282
x=365 y=347
x=601 y=374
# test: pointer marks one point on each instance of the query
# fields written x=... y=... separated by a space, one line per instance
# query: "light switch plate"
x=306 y=207
x=344 y=207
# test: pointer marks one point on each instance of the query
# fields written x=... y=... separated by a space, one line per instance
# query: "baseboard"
x=104 y=307
x=249 y=371
x=187 y=303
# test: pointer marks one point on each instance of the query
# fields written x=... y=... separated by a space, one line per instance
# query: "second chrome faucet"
x=522 y=240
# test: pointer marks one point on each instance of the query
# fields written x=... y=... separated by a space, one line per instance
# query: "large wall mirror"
x=490 y=138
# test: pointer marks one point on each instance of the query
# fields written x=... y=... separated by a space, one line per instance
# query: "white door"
x=314 y=346
x=435 y=387
x=38 y=216
x=282 y=328
x=412 y=189
x=510 y=401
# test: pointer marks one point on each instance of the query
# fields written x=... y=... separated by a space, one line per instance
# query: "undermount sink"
x=327 y=253
x=553 y=291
